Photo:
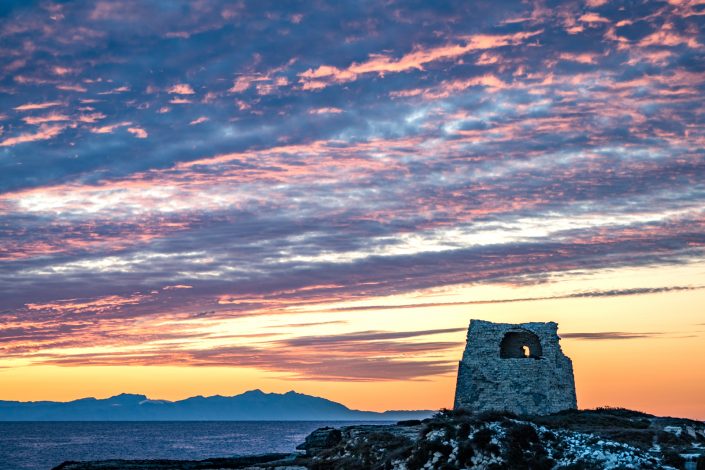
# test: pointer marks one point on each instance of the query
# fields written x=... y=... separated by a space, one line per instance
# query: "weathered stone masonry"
x=515 y=367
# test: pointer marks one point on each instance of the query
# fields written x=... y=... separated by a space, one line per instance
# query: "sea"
x=44 y=445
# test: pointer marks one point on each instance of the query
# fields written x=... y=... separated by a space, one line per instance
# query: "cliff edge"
x=607 y=438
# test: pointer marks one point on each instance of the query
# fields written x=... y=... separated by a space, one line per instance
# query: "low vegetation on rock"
x=604 y=438
x=591 y=439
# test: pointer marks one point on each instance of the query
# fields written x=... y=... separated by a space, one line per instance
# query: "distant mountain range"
x=254 y=405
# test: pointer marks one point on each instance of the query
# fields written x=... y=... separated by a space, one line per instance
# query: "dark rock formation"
x=514 y=367
x=323 y=438
x=250 y=461
x=451 y=440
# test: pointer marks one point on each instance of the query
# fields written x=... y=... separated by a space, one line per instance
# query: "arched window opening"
x=520 y=345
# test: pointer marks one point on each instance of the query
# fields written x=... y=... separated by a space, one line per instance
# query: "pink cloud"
x=33 y=106
x=91 y=118
x=178 y=34
x=100 y=304
x=406 y=93
x=417 y=59
x=198 y=121
x=45 y=132
x=109 y=128
x=584 y=58
x=77 y=88
x=448 y=88
x=487 y=58
x=61 y=71
x=53 y=117
x=668 y=37
x=325 y=111
x=591 y=17
x=138 y=132
x=265 y=83
x=121 y=89
x=107 y=10
x=181 y=89
x=242 y=83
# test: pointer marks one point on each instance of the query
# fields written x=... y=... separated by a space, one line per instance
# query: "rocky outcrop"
x=280 y=461
x=597 y=439
x=514 y=367
x=452 y=440
x=323 y=438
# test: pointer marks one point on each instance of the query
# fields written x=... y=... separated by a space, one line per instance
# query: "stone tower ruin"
x=515 y=367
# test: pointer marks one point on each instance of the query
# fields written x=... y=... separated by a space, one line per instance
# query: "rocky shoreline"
x=586 y=439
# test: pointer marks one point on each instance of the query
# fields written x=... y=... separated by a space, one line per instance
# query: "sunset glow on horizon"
x=202 y=198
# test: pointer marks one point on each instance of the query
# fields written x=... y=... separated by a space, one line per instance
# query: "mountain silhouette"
x=254 y=405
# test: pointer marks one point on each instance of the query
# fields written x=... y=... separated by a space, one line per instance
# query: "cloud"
x=309 y=324
x=53 y=117
x=35 y=106
x=581 y=58
x=574 y=295
x=609 y=335
x=592 y=17
x=325 y=111
x=108 y=129
x=77 y=88
x=138 y=132
x=198 y=120
x=670 y=37
x=433 y=146
x=417 y=59
x=87 y=305
x=365 y=337
x=357 y=356
x=181 y=89
x=45 y=132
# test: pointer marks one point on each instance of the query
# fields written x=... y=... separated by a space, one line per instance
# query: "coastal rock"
x=588 y=439
x=605 y=438
x=323 y=438
x=279 y=461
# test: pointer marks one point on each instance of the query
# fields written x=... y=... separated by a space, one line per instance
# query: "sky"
x=206 y=197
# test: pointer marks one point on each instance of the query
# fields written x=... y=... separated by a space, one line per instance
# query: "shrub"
x=522 y=435
x=673 y=459
x=463 y=430
x=700 y=464
x=465 y=453
x=482 y=438
x=445 y=413
x=409 y=422
x=636 y=438
x=669 y=438
x=524 y=449
x=492 y=416
x=621 y=412
x=581 y=465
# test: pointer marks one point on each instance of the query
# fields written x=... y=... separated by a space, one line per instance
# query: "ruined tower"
x=515 y=367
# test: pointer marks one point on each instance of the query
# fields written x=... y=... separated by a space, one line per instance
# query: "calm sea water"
x=43 y=445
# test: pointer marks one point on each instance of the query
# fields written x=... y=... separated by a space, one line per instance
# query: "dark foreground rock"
x=570 y=440
x=251 y=461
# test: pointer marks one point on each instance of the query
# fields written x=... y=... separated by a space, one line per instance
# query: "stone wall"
x=495 y=375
